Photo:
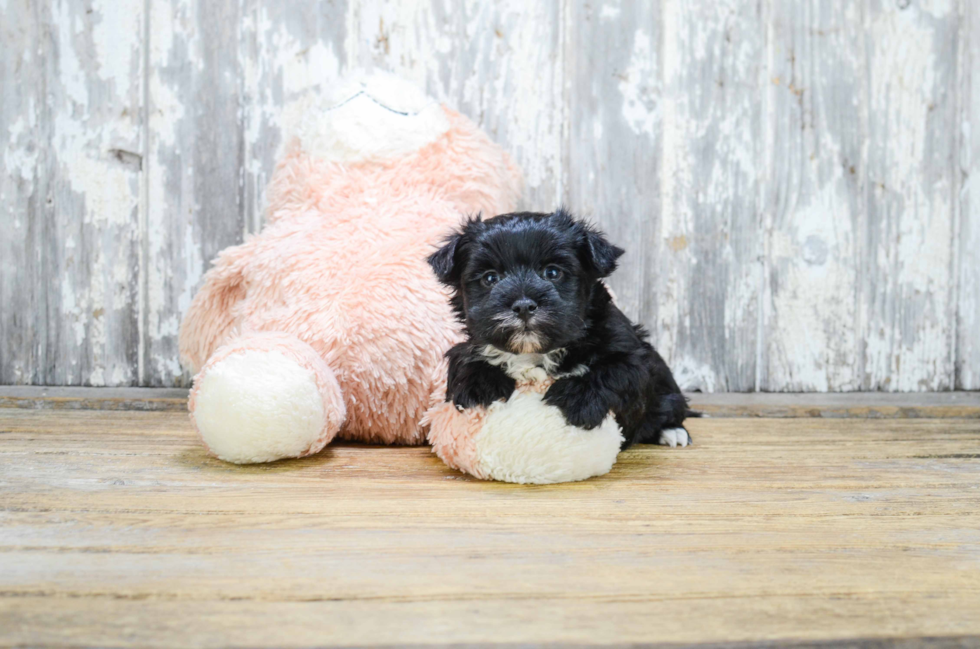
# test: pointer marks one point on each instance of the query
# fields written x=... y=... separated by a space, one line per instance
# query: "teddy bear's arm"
x=210 y=320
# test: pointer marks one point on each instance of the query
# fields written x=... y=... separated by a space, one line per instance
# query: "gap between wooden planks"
x=118 y=529
x=864 y=405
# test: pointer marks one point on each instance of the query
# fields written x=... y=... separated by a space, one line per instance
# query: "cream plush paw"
x=522 y=440
x=266 y=397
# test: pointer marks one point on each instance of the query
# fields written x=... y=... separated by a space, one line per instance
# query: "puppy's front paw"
x=581 y=404
x=674 y=437
x=481 y=389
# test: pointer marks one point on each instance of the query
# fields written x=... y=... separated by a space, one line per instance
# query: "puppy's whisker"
x=542 y=320
x=505 y=324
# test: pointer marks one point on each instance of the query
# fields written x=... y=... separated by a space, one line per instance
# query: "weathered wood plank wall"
x=793 y=179
x=72 y=111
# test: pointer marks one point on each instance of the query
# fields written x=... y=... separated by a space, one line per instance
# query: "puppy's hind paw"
x=675 y=437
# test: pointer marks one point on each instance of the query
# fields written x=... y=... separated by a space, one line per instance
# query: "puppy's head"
x=522 y=282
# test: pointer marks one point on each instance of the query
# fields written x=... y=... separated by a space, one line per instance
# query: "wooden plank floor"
x=116 y=529
x=863 y=405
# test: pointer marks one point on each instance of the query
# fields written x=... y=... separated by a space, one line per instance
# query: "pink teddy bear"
x=330 y=322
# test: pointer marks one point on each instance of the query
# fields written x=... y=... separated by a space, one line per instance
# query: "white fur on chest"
x=534 y=368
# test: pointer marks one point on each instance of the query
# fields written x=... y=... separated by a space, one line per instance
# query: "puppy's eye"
x=490 y=278
x=552 y=273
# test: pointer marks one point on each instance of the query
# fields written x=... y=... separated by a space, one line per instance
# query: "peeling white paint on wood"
x=287 y=50
x=611 y=164
x=793 y=180
x=72 y=77
x=194 y=167
x=500 y=63
x=22 y=191
x=909 y=321
x=709 y=244
x=967 y=349
x=815 y=195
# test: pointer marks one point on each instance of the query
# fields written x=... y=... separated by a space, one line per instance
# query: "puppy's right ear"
x=445 y=262
x=449 y=260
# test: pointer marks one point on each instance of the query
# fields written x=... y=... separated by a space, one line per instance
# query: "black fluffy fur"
x=522 y=253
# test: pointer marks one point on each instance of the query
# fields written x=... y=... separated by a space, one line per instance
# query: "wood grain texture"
x=908 y=316
x=74 y=81
x=118 y=530
x=817 y=112
x=287 y=50
x=710 y=241
x=614 y=83
x=499 y=63
x=792 y=180
x=861 y=405
x=62 y=398
x=968 y=186
x=194 y=167
x=93 y=93
x=836 y=405
x=22 y=193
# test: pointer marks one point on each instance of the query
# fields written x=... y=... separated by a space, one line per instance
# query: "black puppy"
x=527 y=286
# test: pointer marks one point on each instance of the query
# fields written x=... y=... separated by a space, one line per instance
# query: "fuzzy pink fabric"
x=334 y=410
x=464 y=168
x=341 y=267
x=452 y=434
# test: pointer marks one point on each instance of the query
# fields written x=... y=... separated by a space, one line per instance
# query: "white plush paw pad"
x=524 y=440
x=674 y=437
x=259 y=406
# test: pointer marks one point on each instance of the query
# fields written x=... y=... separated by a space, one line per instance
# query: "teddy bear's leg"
x=264 y=397
x=453 y=433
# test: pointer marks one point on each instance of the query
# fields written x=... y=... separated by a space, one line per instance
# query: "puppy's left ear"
x=602 y=255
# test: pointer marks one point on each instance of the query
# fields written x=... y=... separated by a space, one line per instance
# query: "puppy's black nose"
x=524 y=307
